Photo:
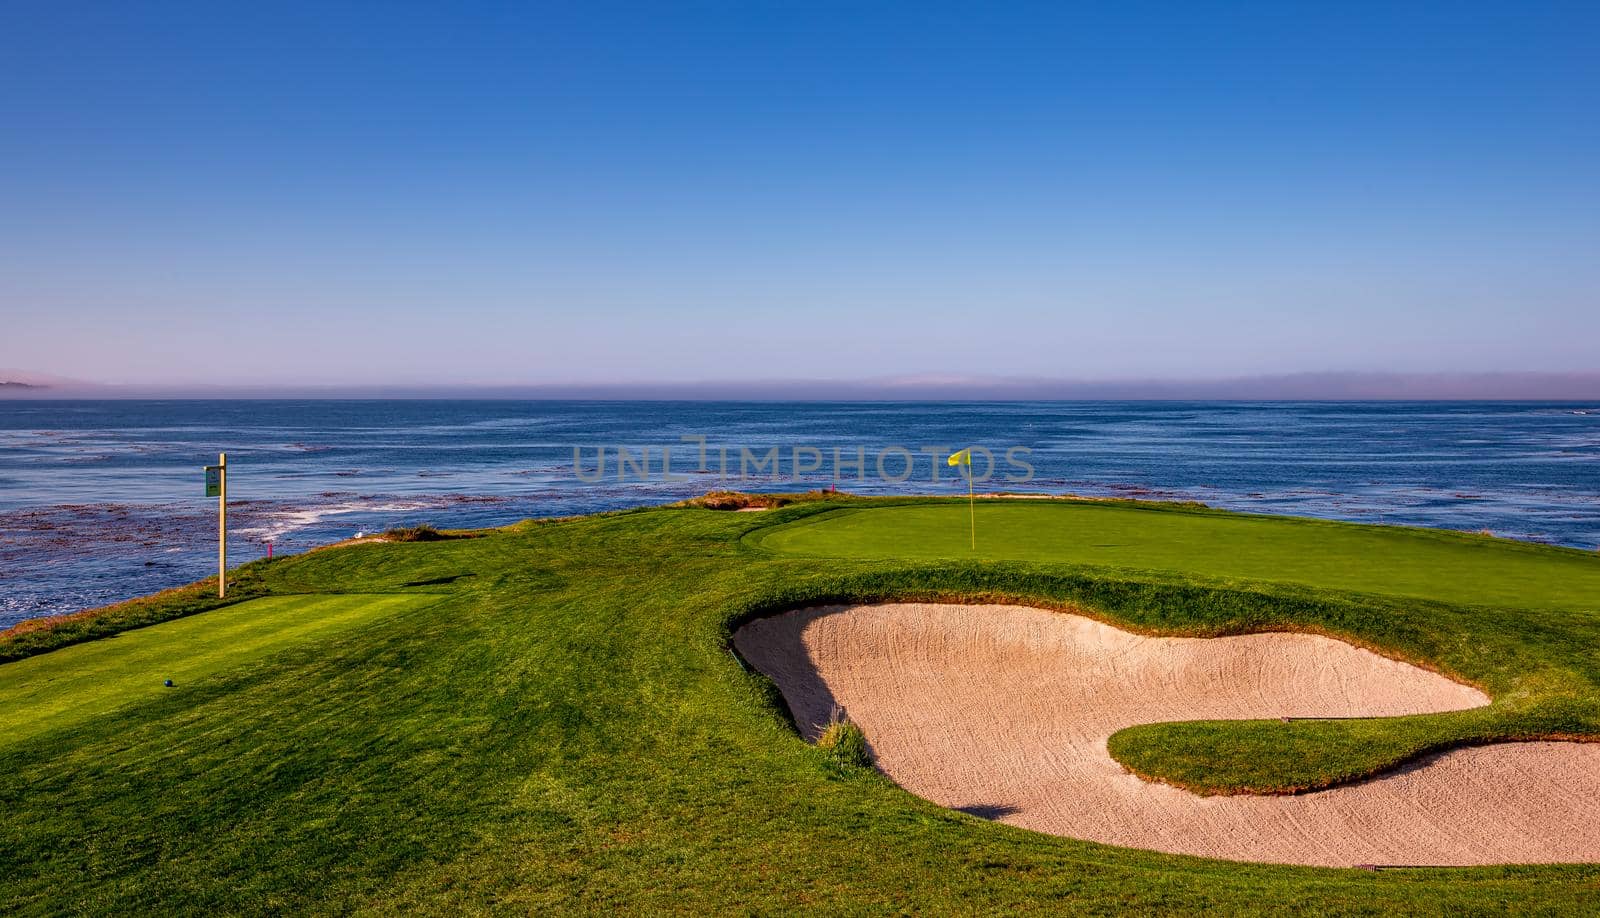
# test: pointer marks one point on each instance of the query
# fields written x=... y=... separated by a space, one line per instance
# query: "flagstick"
x=972 y=512
x=222 y=528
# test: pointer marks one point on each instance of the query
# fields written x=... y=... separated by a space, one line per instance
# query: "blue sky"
x=585 y=192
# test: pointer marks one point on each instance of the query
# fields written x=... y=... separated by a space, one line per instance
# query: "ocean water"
x=103 y=500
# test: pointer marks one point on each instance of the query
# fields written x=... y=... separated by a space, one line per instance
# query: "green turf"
x=57 y=691
x=1452 y=567
x=563 y=730
x=1505 y=597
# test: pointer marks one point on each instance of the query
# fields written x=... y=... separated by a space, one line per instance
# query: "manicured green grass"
x=57 y=691
x=561 y=728
x=1500 y=630
x=1453 y=567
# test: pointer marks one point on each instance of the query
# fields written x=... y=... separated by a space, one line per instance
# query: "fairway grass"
x=58 y=690
x=552 y=721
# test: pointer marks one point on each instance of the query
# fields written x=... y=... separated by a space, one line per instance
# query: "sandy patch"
x=1004 y=711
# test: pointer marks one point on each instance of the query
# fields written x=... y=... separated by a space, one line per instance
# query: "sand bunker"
x=1004 y=711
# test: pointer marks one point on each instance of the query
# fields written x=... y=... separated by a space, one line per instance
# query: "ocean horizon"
x=103 y=500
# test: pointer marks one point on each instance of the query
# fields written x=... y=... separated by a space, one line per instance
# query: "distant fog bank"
x=1294 y=387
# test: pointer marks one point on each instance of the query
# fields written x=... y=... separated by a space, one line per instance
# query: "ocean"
x=104 y=500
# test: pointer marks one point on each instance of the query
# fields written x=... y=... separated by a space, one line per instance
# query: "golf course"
x=620 y=713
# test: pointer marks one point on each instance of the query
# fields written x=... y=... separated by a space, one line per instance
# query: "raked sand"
x=1004 y=711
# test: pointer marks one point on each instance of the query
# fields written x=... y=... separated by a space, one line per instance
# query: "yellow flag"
x=965 y=458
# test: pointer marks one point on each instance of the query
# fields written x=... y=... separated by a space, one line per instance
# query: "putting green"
x=1454 y=567
x=57 y=690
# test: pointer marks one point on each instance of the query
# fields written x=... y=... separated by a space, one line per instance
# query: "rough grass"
x=845 y=743
x=741 y=500
x=424 y=533
x=564 y=730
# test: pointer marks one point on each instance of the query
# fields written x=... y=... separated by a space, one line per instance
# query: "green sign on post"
x=213 y=481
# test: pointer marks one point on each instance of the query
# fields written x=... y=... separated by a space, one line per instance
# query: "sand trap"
x=1004 y=711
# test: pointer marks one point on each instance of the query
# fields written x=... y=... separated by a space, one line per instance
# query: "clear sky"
x=524 y=192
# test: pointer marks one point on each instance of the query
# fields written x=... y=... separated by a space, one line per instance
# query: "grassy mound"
x=551 y=721
x=425 y=533
x=742 y=500
x=845 y=742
